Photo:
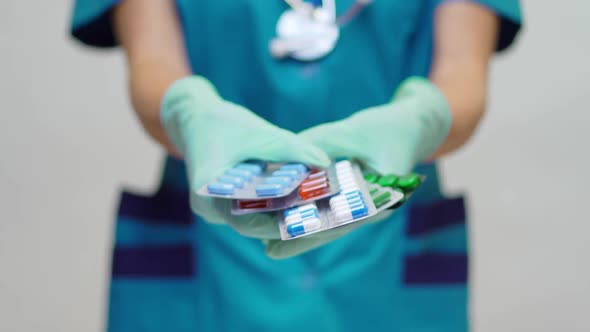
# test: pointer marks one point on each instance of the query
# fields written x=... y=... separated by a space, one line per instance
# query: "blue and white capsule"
x=350 y=193
x=300 y=213
x=300 y=209
x=352 y=205
x=338 y=202
x=218 y=188
x=347 y=213
x=295 y=218
x=338 y=206
x=282 y=180
x=246 y=175
x=304 y=227
x=255 y=169
x=300 y=168
x=346 y=195
x=237 y=181
x=293 y=174
x=274 y=189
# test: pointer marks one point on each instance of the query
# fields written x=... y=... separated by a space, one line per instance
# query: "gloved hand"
x=389 y=139
x=214 y=135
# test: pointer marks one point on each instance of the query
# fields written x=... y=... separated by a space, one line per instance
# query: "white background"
x=69 y=141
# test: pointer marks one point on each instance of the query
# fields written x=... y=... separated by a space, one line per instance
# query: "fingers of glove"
x=308 y=153
x=334 y=139
x=381 y=154
x=282 y=145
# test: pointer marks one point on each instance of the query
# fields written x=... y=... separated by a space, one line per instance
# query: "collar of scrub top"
x=309 y=30
x=323 y=11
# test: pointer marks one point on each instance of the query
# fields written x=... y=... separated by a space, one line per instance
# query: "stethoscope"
x=310 y=30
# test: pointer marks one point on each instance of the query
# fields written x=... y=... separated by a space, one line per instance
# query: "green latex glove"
x=214 y=135
x=389 y=139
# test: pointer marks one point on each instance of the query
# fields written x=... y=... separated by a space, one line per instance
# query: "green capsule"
x=373 y=191
x=409 y=182
x=388 y=181
x=371 y=177
x=382 y=198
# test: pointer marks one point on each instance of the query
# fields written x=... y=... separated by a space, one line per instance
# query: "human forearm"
x=148 y=83
x=465 y=89
x=150 y=34
x=465 y=37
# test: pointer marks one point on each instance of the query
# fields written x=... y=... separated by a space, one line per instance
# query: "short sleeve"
x=91 y=22
x=509 y=12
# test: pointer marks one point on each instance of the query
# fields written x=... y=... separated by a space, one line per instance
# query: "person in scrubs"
x=394 y=84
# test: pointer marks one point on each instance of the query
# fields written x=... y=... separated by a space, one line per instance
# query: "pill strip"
x=318 y=185
x=350 y=204
x=255 y=180
x=357 y=201
x=406 y=184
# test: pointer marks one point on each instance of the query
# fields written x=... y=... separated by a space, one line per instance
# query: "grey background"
x=69 y=141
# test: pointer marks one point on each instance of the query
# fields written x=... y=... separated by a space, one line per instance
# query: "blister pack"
x=255 y=180
x=357 y=200
x=406 y=184
x=319 y=184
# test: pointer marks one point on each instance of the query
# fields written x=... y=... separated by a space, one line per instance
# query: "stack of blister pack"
x=309 y=200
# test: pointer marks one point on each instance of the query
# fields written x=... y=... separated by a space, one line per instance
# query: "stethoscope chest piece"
x=304 y=37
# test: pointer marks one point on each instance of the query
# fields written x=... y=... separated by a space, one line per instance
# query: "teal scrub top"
x=173 y=272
